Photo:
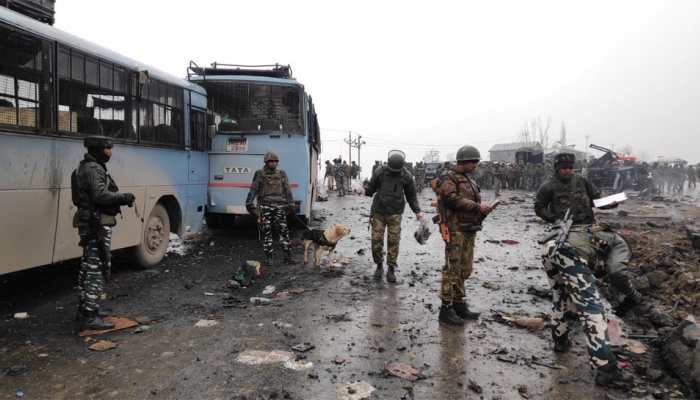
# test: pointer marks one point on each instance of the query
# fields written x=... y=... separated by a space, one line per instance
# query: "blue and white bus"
x=55 y=89
x=256 y=109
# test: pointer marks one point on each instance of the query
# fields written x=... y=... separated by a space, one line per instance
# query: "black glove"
x=128 y=199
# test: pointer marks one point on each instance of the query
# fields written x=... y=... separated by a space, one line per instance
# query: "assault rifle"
x=564 y=228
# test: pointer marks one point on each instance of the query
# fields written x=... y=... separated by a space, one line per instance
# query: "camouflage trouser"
x=575 y=294
x=392 y=225
x=331 y=182
x=96 y=262
x=273 y=218
x=459 y=254
x=340 y=184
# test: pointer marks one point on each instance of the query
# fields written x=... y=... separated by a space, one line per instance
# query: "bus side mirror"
x=211 y=130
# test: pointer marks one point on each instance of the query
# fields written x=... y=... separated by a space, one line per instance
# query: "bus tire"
x=156 y=236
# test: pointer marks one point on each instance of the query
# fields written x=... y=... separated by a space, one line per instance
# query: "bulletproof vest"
x=572 y=194
x=272 y=190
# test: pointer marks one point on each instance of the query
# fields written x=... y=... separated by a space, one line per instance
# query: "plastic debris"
x=15 y=370
x=258 y=357
x=247 y=271
x=509 y=241
x=206 y=323
x=102 y=345
x=298 y=365
x=281 y=325
x=260 y=301
x=422 y=234
x=614 y=332
x=354 y=391
x=402 y=370
x=269 y=290
x=21 y=315
x=118 y=322
x=19 y=393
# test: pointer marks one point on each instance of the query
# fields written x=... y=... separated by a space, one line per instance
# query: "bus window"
x=161 y=115
x=20 y=76
x=250 y=107
x=200 y=140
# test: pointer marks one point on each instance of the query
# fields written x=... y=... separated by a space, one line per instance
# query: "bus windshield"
x=243 y=107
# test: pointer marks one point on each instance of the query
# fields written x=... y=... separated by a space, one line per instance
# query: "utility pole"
x=357 y=143
x=349 y=142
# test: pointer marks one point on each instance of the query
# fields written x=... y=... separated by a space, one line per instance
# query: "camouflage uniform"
x=391 y=190
x=98 y=200
x=461 y=196
x=274 y=199
x=570 y=269
x=340 y=178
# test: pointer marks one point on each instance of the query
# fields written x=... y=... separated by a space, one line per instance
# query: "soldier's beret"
x=98 y=141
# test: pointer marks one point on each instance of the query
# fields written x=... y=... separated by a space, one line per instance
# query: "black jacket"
x=391 y=190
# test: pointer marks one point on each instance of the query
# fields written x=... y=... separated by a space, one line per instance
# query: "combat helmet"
x=396 y=160
x=564 y=160
x=468 y=153
x=101 y=142
x=270 y=156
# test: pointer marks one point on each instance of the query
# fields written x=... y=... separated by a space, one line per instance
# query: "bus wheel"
x=156 y=236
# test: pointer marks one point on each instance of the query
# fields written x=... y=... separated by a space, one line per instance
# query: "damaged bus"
x=55 y=89
x=256 y=109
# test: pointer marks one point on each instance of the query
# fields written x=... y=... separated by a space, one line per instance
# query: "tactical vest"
x=468 y=221
x=572 y=194
x=273 y=187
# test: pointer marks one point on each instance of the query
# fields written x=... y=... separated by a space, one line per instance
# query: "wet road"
x=356 y=324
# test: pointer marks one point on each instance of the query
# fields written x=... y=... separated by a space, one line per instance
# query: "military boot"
x=449 y=316
x=609 y=375
x=562 y=343
x=379 y=272
x=462 y=311
x=269 y=261
x=391 y=274
x=92 y=321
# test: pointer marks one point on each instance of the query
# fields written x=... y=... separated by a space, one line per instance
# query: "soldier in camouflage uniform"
x=570 y=268
x=461 y=212
x=98 y=200
x=274 y=201
x=340 y=177
x=391 y=187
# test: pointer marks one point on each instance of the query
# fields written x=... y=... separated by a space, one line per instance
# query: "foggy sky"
x=417 y=75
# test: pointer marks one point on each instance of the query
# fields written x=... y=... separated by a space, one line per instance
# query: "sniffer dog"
x=323 y=241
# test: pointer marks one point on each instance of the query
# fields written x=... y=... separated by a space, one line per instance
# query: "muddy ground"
x=355 y=325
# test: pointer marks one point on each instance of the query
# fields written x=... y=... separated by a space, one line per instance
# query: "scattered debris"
x=543 y=293
x=303 y=347
x=258 y=357
x=298 y=365
x=634 y=346
x=260 y=301
x=247 y=271
x=118 y=322
x=533 y=324
x=402 y=370
x=102 y=345
x=339 y=317
x=475 y=387
x=21 y=315
x=490 y=285
x=16 y=370
x=354 y=391
x=206 y=323
x=269 y=290
x=509 y=241
x=522 y=390
x=281 y=325
x=142 y=328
